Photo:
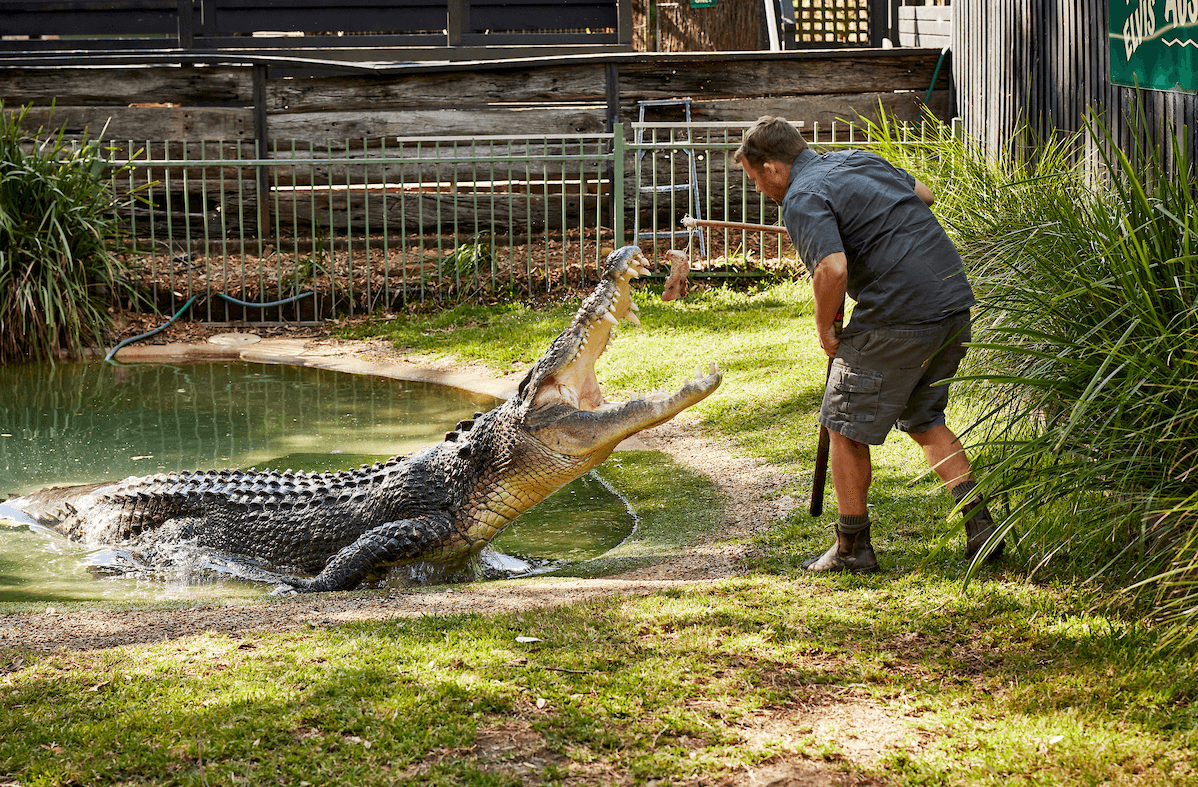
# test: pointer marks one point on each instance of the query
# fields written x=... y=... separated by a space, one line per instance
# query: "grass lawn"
x=1006 y=682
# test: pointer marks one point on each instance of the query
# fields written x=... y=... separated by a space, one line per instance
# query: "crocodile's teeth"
x=715 y=368
x=633 y=318
x=608 y=317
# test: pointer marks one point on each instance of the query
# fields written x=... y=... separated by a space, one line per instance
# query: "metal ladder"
x=694 y=205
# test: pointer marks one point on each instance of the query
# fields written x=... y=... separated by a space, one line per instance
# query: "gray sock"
x=852 y=523
x=964 y=490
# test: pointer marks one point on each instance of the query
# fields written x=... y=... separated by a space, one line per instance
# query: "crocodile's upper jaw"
x=564 y=407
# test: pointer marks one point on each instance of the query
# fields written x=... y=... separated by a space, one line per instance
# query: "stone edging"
x=320 y=354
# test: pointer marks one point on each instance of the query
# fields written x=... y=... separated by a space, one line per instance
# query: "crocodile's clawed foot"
x=291 y=586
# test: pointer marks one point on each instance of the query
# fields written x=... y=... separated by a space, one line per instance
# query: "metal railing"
x=373 y=225
x=366 y=225
x=687 y=167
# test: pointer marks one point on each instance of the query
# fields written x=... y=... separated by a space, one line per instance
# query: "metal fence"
x=687 y=169
x=366 y=225
x=371 y=226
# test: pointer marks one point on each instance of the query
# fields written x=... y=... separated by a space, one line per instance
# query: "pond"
x=85 y=422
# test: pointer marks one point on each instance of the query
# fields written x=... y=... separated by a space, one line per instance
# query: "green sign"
x=1154 y=44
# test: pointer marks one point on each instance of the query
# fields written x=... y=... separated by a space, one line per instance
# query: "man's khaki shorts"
x=885 y=378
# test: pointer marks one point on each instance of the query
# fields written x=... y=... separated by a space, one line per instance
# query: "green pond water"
x=81 y=423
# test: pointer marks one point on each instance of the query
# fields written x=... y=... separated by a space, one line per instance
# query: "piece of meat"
x=677 y=283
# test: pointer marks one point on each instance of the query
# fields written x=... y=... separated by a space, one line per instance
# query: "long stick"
x=820 y=477
x=690 y=223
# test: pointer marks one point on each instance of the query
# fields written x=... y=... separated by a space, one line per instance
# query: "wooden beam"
x=144 y=123
x=121 y=86
x=579 y=79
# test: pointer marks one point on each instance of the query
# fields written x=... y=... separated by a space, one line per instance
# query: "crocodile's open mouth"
x=574 y=383
x=567 y=392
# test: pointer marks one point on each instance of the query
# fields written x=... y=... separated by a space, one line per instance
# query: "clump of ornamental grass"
x=468 y=265
x=58 y=222
x=1086 y=353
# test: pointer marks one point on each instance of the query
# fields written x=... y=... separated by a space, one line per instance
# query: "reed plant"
x=1085 y=353
x=59 y=272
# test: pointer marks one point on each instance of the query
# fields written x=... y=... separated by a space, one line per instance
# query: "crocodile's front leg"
x=374 y=549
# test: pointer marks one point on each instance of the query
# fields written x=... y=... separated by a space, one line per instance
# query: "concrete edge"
x=319 y=354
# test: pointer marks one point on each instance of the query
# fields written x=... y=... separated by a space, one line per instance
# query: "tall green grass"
x=58 y=272
x=1086 y=351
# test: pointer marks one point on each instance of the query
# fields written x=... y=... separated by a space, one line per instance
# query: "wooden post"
x=186 y=25
x=612 y=76
x=459 y=21
x=263 y=144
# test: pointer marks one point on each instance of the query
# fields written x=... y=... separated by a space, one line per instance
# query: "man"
x=864 y=228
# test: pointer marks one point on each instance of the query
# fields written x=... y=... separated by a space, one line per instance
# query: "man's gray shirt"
x=902 y=267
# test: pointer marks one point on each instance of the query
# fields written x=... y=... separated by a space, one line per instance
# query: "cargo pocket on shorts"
x=855 y=394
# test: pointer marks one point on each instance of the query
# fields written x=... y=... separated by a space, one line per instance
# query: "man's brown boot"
x=979 y=525
x=852 y=552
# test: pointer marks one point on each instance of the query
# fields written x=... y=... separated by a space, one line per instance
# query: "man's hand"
x=829 y=341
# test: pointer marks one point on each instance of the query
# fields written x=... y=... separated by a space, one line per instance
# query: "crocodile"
x=334 y=531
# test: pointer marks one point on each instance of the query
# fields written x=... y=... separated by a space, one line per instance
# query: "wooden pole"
x=690 y=223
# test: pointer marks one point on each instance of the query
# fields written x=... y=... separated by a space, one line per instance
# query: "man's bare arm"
x=828 y=283
x=924 y=193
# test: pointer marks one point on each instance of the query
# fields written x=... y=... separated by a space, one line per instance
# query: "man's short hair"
x=770 y=139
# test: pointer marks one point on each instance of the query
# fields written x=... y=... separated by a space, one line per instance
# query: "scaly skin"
x=441 y=504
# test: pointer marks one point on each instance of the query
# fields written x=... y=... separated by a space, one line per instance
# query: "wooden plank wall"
x=1044 y=63
x=207 y=112
x=925 y=25
x=562 y=95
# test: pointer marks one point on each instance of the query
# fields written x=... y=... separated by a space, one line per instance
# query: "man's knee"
x=847 y=442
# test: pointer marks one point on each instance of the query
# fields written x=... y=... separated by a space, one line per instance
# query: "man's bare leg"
x=852 y=473
x=946 y=456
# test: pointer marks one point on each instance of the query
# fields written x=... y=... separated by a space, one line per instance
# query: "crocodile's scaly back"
x=441 y=504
